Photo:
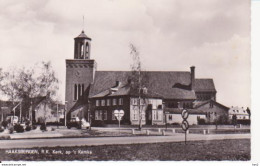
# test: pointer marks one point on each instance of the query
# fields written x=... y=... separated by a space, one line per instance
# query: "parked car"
x=75 y=122
x=12 y=119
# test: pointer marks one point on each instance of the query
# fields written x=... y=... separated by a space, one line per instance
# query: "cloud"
x=171 y=35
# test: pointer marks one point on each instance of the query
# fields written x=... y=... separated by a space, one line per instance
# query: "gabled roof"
x=200 y=104
x=203 y=85
x=159 y=82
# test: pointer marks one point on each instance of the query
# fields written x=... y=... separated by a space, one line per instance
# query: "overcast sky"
x=171 y=35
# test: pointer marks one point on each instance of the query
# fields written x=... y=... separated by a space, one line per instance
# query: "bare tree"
x=25 y=84
x=139 y=80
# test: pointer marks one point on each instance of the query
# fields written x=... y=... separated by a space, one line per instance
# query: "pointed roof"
x=82 y=36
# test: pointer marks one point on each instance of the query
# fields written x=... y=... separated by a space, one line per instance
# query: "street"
x=30 y=143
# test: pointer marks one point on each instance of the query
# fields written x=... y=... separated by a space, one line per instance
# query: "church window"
x=87 y=51
x=81 y=51
x=113 y=116
x=105 y=114
x=103 y=102
x=114 y=102
x=98 y=115
x=170 y=117
x=79 y=91
x=120 y=101
x=97 y=102
x=75 y=92
x=108 y=102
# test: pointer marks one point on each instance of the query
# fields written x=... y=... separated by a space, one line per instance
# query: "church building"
x=95 y=95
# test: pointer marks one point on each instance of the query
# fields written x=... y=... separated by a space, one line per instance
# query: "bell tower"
x=82 y=46
x=80 y=72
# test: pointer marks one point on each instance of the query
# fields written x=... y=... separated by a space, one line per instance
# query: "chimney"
x=192 y=77
x=118 y=83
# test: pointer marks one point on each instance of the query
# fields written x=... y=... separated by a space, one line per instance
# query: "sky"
x=171 y=35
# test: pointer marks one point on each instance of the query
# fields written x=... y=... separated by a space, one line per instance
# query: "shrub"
x=11 y=129
x=4 y=124
x=27 y=123
x=201 y=121
x=43 y=127
x=18 y=128
x=98 y=123
x=28 y=128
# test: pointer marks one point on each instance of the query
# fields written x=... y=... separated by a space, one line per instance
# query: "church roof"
x=124 y=90
x=202 y=85
x=159 y=82
x=82 y=36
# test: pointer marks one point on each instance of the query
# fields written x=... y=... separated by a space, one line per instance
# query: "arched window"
x=82 y=51
x=75 y=92
x=87 y=51
x=79 y=91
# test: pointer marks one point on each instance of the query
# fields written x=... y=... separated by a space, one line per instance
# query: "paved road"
x=30 y=143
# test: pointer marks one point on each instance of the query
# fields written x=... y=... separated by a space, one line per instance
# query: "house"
x=173 y=116
x=242 y=114
x=49 y=112
x=95 y=94
x=212 y=109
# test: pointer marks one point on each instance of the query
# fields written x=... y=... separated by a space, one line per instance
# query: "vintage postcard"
x=126 y=80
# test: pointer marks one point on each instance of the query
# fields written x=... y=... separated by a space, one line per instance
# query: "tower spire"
x=83 y=24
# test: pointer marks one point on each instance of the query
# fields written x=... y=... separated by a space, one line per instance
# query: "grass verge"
x=238 y=149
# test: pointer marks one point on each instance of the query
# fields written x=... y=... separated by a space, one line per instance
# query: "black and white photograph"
x=125 y=80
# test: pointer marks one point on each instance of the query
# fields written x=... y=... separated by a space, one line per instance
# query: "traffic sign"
x=185 y=114
x=185 y=125
x=119 y=114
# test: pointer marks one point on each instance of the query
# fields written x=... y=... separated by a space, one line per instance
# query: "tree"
x=25 y=84
x=234 y=120
x=139 y=80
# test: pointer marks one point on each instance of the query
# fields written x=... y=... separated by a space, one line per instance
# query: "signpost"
x=119 y=114
x=185 y=124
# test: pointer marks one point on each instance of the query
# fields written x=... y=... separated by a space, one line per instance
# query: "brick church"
x=94 y=95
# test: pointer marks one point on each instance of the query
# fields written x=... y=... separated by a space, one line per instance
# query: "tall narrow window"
x=79 y=91
x=114 y=102
x=97 y=102
x=87 y=51
x=104 y=114
x=81 y=51
x=103 y=102
x=75 y=92
x=108 y=102
x=113 y=116
x=120 y=101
